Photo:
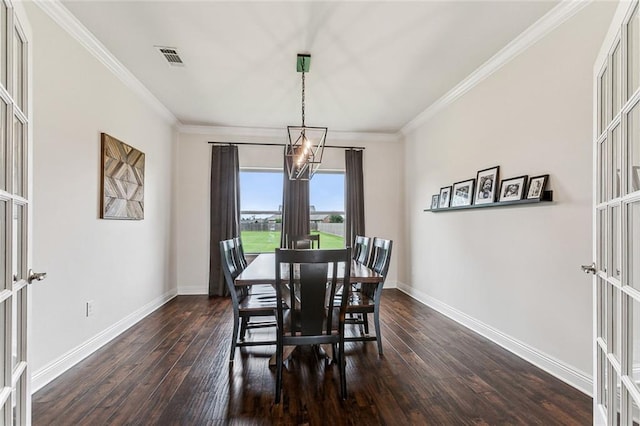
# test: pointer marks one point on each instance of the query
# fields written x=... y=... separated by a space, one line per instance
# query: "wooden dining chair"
x=310 y=241
x=248 y=308
x=361 y=249
x=310 y=319
x=366 y=299
x=239 y=253
x=241 y=263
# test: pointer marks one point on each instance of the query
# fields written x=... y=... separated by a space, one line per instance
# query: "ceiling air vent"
x=171 y=55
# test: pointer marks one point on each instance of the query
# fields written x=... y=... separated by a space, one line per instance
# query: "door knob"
x=589 y=269
x=36 y=276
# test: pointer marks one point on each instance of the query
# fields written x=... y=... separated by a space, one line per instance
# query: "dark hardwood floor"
x=172 y=368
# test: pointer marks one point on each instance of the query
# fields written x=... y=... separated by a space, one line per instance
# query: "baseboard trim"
x=578 y=379
x=192 y=290
x=55 y=368
x=390 y=284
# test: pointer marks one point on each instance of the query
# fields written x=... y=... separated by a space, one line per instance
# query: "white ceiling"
x=375 y=65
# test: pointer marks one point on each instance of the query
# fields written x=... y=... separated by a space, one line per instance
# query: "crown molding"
x=61 y=15
x=278 y=135
x=547 y=23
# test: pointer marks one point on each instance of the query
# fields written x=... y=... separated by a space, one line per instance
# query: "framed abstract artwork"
x=122 y=180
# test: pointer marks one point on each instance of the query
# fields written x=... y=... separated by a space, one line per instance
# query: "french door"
x=15 y=211
x=617 y=224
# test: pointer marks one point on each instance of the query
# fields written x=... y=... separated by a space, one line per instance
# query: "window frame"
x=280 y=171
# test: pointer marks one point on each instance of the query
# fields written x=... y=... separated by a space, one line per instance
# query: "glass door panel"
x=18 y=72
x=616 y=396
x=617 y=225
x=3 y=336
x=14 y=181
x=633 y=53
x=615 y=345
x=18 y=157
x=633 y=245
x=602 y=309
x=3 y=44
x=603 y=397
x=614 y=233
x=633 y=149
x=3 y=247
x=604 y=104
x=616 y=81
x=614 y=166
x=18 y=229
x=601 y=259
x=3 y=143
x=18 y=311
x=635 y=342
x=602 y=170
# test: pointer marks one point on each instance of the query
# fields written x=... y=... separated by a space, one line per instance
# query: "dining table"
x=262 y=270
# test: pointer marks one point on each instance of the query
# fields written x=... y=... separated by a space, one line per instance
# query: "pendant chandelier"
x=306 y=144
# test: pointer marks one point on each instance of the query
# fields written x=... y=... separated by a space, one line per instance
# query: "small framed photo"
x=445 y=197
x=434 y=201
x=536 y=187
x=512 y=189
x=462 y=193
x=487 y=180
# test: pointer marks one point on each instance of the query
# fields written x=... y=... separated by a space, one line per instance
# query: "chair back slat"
x=310 y=241
x=361 y=249
x=312 y=295
x=230 y=270
x=239 y=253
x=380 y=257
x=311 y=289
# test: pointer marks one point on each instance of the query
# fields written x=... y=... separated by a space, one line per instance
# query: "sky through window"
x=262 y=191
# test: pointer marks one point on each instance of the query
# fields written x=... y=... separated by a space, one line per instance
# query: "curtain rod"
x=279 y=144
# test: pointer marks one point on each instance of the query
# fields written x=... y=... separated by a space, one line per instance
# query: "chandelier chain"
x=303 y=95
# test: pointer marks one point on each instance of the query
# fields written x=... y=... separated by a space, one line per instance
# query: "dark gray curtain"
x=225 y=210
x=354 y=196
x=295 y=206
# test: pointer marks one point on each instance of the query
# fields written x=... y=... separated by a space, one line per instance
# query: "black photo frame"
x=512 y=189
x=487 y=184
x=444 y=199
x=537 y=186
x=462 y=193
x=434 y=201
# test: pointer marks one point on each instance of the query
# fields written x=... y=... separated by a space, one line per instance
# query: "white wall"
x=125 y=267
x=513 y=273
x=384 y=195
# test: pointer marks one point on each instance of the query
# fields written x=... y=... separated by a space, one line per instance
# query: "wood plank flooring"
x=172 y=369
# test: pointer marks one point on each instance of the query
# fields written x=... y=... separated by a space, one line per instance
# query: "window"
x=261 y=209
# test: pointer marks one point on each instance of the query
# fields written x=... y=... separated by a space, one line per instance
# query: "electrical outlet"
x=90 y=308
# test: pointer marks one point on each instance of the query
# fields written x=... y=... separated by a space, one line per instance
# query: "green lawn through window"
x=268 y=241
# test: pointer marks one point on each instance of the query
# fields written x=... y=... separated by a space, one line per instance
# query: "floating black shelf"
x=547 y=197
